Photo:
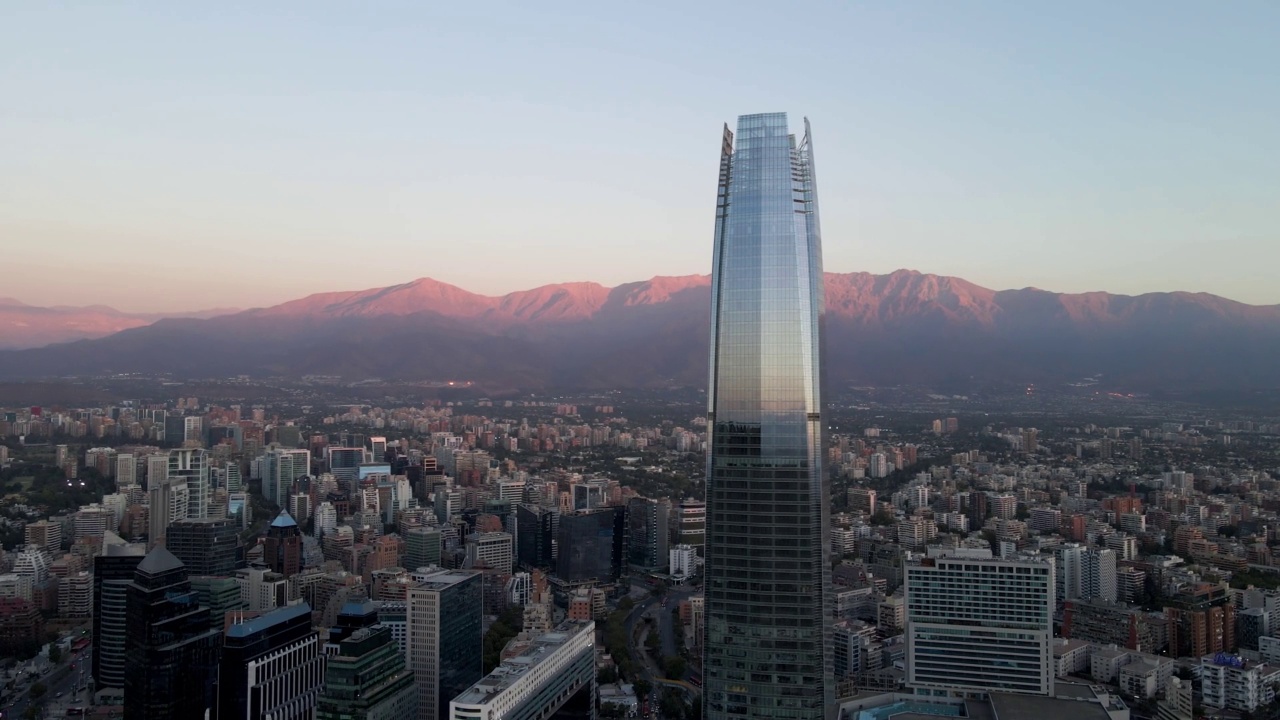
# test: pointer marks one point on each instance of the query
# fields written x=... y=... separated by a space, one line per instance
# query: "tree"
x=38 y=690
x=55 y=653
x=674 y=666
x=642 y=687
x=606 y=676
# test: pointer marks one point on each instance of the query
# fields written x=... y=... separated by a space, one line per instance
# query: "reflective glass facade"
x=767 y=644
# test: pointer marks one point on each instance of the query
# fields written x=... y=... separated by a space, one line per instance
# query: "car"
x=59 y=694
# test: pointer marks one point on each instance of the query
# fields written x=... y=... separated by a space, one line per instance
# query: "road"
x=65 y=685
x=664 y=624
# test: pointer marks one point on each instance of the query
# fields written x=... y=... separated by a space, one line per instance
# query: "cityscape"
x=780 y=484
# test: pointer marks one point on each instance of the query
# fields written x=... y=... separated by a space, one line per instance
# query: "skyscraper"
x=444 y=648
x=283 y=547
x=113 y=573
x=208 y=546
x=172 y=646
x=192 y=466
x=768 y=631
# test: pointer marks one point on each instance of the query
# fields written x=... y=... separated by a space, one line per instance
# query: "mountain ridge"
x=904 y=326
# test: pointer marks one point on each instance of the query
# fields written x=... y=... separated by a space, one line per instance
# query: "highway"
x=663 y=623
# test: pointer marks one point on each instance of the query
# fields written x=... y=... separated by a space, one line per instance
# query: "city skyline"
x=1090 y=148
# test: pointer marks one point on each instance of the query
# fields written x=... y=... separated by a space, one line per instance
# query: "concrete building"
x=554 y=674
x=977 y=624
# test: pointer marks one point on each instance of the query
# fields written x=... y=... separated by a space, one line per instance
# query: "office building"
x=190 y=466
x=553 y=676
x=587 y=544
x=366 y=678
x=647 y=533
x=172 y=647
x=979 y=625
x=113 y=573
x=272 y=667
x=444 y=644
x=535 y=536
x=491 y=551
x=768 y=623
x=283 y=546
x=422 y=546
x=206 y=546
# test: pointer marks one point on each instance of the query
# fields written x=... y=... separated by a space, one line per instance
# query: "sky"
x=176 y=156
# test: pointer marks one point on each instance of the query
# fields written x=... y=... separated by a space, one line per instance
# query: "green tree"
x=38 y=690
x=674 y=666
x=55 y=653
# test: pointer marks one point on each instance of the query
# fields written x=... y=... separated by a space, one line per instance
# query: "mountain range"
x=903 y=327
x=29 y=326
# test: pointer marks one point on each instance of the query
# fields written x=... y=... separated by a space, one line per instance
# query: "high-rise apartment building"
x=1098 y=574
x=126 y=470
x=444 y=644
x=191 y=467
x=768 y=589
x=167 y=503
x=272 y=667
x=47 y=535
x=172 y=646
x=553 y=676
x=977 y=625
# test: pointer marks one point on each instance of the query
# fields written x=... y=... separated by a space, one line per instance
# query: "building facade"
x=171 y=648
x=768 y=627
x=271 y=667
x=444 y=643
x=555 y=676
x=978 y=625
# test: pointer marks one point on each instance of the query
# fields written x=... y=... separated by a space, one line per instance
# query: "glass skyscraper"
x=768 y=629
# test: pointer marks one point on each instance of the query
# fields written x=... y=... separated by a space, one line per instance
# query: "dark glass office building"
x=208 y=546
x=535 y=536
x=366 y=677
x=591 y=545
x=647 y=533
x=113 y=573
x=767 y=642
x=172 y=647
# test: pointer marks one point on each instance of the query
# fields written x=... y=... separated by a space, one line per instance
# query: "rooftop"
x=262 y=622
x=512 y=669
x=1008 y=706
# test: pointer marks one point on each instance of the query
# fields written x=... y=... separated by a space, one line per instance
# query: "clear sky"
x=174 y=156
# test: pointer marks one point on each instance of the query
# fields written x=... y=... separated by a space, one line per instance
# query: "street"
x=66 y=686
